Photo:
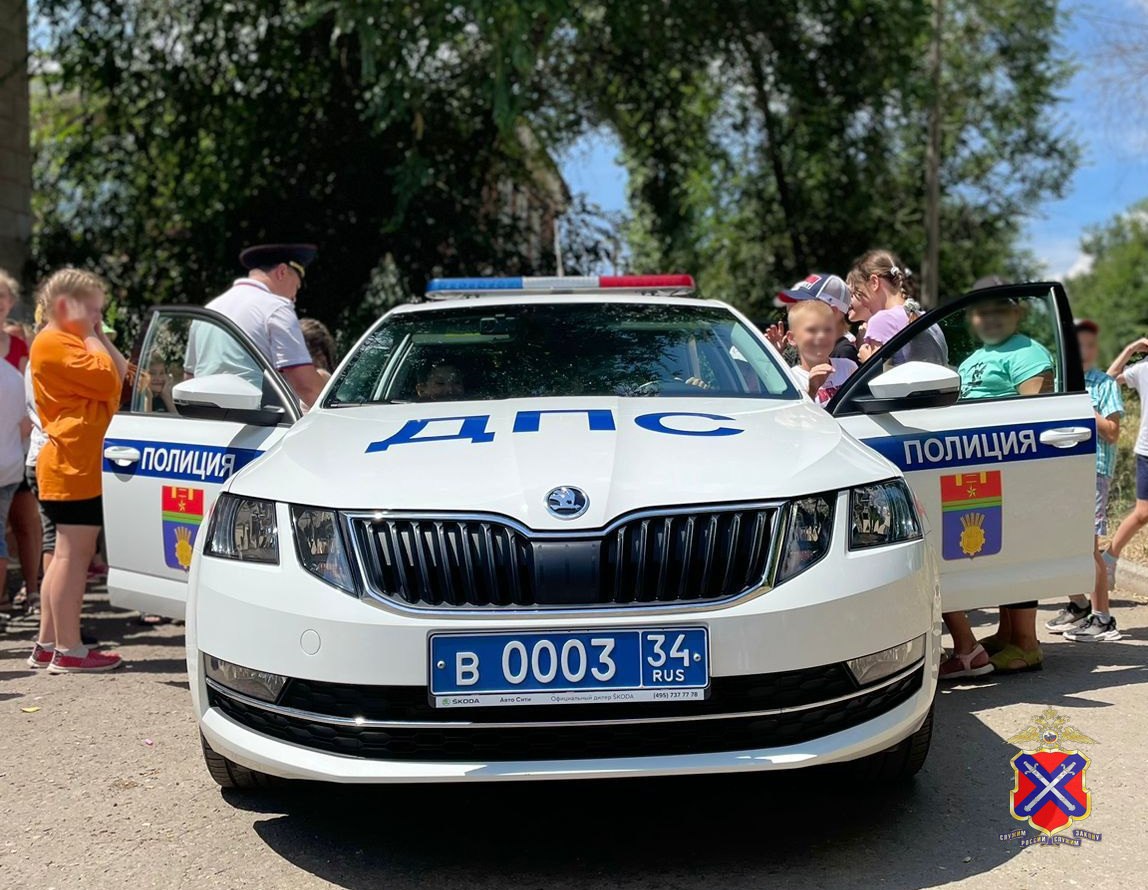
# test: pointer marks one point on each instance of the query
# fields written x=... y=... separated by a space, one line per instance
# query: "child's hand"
x=1140 y=345
x=775 y=334
x=77 y=316
x=817 y=377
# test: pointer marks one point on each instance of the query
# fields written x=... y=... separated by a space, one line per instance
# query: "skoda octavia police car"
x=584 y=528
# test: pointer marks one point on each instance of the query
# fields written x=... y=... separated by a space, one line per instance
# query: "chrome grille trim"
x=551 y=724
x=765 y=534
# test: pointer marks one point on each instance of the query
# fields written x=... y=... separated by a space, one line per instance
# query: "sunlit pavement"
x=103 y=784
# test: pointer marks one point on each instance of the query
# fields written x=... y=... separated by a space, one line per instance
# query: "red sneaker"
x=92 y=663
x=40 y=657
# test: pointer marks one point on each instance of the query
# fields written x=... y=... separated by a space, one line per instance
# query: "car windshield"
x=539 y=350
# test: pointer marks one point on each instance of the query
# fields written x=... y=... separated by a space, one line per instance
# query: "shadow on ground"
x=798 y=829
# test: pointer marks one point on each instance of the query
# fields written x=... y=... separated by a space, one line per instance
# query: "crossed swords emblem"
x=1050 y=785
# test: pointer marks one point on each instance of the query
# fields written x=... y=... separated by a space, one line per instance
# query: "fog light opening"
x=247 y=681
x=870 y=669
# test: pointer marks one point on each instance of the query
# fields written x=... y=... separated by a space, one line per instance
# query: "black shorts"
x=87 y=512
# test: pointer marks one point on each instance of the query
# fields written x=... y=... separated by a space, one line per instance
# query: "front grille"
x=679 y=558
x=444 y=562
x=486 y=562
x=479 y=744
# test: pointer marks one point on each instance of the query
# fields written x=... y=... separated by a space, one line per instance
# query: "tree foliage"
x=173 y=133
x=1115 y=290
x=766 y=140
x=763 y=139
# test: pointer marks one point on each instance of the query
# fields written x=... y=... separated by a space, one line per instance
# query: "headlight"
x=808 y=528
x=319 y=543
x=871 y=668
x=244 y=529
x=246 y=681
x=882 y=513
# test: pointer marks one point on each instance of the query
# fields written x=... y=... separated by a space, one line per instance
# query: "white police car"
x=583 y=528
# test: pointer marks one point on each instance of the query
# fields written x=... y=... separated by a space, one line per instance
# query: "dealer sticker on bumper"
x=569 y=667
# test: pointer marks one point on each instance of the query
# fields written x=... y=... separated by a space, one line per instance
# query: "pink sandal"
x=958 y=666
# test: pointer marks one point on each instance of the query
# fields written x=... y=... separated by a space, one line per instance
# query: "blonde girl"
x=77 y=375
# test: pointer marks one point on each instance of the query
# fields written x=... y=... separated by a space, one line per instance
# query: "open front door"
x=1006 y=471
x=162 y=471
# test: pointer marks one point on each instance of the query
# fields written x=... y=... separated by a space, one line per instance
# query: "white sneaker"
x=1069 y=617
x=1095 y=630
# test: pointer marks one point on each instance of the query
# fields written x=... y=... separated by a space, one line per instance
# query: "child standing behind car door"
x=813 y=332
x=1102 y=627
x=1108 y=406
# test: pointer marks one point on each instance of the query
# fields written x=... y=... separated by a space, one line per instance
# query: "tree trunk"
x=762 y=93
x=15 y=142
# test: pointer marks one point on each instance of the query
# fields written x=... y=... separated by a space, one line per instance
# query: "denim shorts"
x=7 y=492
x=1102 y=485
x=1141 y=477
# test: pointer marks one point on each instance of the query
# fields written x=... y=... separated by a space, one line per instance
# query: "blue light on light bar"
x=471 y=285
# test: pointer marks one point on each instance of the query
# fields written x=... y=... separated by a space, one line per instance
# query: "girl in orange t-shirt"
x=76 y=376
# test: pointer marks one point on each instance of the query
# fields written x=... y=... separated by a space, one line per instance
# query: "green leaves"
x=417 y=137
x=1115 y=290
x=808 y=146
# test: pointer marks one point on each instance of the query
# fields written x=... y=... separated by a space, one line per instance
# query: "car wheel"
x=229 y=774
x=900 y=762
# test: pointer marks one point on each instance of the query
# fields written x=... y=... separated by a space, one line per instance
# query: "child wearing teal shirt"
x=1009 y=363
x=1083 y=620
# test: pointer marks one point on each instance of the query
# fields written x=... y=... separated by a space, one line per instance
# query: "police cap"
x=264 y=256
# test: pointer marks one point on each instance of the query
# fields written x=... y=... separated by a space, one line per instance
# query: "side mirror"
x=225 y=397
x=911 y=385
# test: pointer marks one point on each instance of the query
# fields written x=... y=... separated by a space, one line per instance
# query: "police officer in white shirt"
x=263 y=306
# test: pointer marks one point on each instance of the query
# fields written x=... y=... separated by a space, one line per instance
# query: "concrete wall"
x=15 y=150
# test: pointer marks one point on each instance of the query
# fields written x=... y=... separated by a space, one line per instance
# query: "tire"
x=900 y=762
x=230 y=775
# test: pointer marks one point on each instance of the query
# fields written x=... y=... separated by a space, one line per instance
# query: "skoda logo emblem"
x=566 y=502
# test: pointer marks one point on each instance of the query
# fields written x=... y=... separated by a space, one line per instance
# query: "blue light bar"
x=439 y=288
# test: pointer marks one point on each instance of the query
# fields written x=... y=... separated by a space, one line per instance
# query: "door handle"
x=1065 y=437
x=122 y=455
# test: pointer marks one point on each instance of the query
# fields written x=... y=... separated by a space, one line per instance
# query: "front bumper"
x=266 y=754
x=279 y=619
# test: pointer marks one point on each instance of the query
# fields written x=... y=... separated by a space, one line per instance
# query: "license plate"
x=569 y=667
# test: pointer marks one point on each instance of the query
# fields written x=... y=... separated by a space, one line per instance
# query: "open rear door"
x=162 y=471
x=1006 y=479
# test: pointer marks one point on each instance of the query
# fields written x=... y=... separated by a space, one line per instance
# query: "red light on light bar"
x=646 y=281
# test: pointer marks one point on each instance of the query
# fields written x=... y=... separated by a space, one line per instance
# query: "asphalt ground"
x=102 y=785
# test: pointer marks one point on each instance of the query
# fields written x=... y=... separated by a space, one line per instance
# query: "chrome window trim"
x=374 y=596
x=549 y=724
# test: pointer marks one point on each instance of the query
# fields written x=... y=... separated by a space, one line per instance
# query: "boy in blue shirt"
x=1100 y=627
x=1075 y=620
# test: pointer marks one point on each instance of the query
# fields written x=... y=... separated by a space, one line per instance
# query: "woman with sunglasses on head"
x=881 y=287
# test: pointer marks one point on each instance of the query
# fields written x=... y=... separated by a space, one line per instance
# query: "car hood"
x=782 y=449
